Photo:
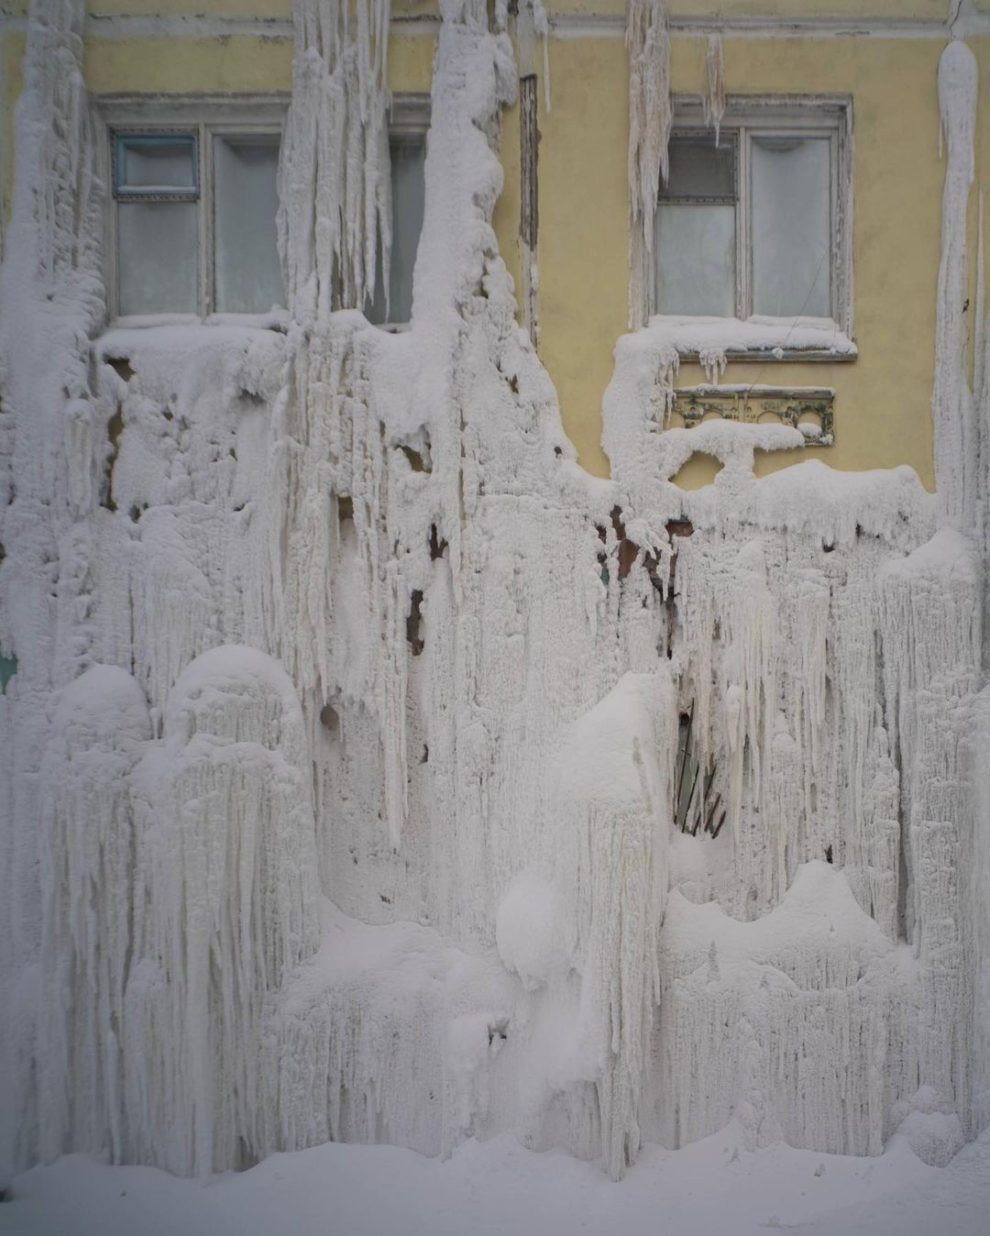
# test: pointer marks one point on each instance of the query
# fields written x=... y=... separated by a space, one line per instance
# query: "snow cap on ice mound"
x=798 y=985
x=237 y=693
x=534 y=931
x=817 y=915
x=602 y=759
x=103 y=708
x=932 y=1129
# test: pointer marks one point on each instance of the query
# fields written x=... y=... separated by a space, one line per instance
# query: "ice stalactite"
x=650 y=120
x=956 y=445
x=614 y=790
x=714 y=98
x=87 y=858
x=334 y=197
x=225 y=908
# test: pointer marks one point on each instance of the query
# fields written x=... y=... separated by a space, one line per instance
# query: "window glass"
x=696 y=259
x=408 y=158
x=695 y=228
x=157 y=245
x=791 y=226
x=248 y=278
x=698 y=169
x=156 y=163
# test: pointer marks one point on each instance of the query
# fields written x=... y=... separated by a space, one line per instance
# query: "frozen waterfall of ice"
x=340 y=781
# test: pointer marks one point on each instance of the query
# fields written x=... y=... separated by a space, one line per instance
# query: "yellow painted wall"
x=883 y=398
x=11 y=83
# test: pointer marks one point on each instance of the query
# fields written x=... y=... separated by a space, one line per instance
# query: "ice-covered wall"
x=373 y=773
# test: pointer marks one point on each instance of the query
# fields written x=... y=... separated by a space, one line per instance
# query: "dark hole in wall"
x=419 y=461
x=628 y=550
x=8 y=668
x=330 y=720
x=122 y=368
x=676 y=527
x=345 y=508
x=438 y=546
x=414 y=623
x=115 y=427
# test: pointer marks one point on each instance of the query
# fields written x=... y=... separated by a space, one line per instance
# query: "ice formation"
x=714 y=100
x=651 y=116
x=373 y=773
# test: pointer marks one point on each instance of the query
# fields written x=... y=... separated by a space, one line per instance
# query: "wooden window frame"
x=206 y=117
x=782 y=116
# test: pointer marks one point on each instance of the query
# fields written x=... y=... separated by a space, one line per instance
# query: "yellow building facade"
x=881 y=54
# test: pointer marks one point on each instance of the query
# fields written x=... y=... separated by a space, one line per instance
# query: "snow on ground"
x=708 y=1188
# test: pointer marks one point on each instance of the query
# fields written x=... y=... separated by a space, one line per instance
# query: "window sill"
x=275 y=319
x=713 y=342
x=185 y=334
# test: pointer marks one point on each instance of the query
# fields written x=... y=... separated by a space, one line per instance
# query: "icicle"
x=650 y=121
x=714 y=99
x=334 y=186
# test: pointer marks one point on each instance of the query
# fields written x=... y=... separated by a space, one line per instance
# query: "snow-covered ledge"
x=715 y=341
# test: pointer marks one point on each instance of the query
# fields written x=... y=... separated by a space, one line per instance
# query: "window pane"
x=154 y=162
x=700 y=169
x=408 y=197
x=791 y=194
x=696 y=259
x=248 y=278
x=156 y=257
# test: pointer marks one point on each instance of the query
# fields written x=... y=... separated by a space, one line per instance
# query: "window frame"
x=207 y=117
x=779 y=116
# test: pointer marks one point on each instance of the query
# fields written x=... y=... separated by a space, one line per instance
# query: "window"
x=194 y=202
x=757 y=222
x=409 y=121
x=192 y=225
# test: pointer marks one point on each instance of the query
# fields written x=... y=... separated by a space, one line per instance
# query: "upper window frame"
x=788 y=115
x=206 y=116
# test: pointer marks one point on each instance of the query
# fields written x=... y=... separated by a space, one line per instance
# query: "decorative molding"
x=751 y=404
x=562 y=26
x=609 y=25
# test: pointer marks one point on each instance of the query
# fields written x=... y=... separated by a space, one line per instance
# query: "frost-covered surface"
x=374 y=774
